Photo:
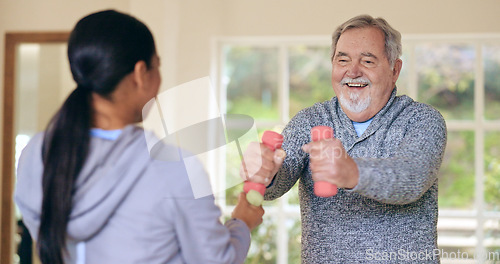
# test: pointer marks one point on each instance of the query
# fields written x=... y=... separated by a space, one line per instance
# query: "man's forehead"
x=370 y=47
x=363 y=32
x=370 y=29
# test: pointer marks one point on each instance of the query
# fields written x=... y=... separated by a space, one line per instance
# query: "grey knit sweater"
x=391 y=215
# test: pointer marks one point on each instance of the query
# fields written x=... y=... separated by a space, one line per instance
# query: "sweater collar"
x=350 y=137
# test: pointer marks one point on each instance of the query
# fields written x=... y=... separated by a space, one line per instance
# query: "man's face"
x=362 y=76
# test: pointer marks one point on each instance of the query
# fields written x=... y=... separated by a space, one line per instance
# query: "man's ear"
x=398 y=64
x=140 y=70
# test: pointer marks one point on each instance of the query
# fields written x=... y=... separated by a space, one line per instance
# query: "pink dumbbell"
x=323 y=188
x=255 y=191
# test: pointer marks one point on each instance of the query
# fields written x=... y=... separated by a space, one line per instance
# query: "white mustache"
x=357 y=80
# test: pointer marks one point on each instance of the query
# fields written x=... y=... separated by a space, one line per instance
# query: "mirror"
x=37 y=79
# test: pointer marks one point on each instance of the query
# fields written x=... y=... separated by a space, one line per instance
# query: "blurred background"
x=269 y=59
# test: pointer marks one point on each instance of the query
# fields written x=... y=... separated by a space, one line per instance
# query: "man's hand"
x=330 y=162
x=260 y=164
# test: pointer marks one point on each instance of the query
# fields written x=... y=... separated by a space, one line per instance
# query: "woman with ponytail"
x=87 y=188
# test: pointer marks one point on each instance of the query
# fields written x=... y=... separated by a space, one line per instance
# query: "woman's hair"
x=393 y=49
x=102 y=49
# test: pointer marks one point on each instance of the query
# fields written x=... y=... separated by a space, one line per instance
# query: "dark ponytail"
x=102 y=49
x=67 y=134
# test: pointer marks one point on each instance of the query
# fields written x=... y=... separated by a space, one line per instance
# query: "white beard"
x=354 y=103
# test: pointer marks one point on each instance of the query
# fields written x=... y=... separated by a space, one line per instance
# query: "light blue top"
x=360 y=127
x=105 y=134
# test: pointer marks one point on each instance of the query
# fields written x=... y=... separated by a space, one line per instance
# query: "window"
x=458 y=76
x=271 y=79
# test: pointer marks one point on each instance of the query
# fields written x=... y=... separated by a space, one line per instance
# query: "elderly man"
x=384 y=158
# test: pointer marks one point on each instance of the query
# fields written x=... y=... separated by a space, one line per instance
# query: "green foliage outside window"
x=492 y=82
x=492 y=171
x=252 y=81
x=446 y=78
x=456 y=176
x=310 y=77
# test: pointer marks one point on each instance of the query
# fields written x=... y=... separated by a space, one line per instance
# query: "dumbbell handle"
x=273 y=141
x=323 y=188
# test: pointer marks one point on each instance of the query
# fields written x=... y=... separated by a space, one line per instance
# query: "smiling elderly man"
x=384 y=158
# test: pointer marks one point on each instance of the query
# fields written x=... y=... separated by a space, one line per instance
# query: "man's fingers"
x=279 y=157
x=323 y=176
x=260 y=179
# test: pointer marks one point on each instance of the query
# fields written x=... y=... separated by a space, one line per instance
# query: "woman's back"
x=131 y=208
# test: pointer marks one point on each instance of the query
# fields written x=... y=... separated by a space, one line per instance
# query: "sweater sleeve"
x=296 y=134
x=201 y=236
x=204 y=239
x=406 y=175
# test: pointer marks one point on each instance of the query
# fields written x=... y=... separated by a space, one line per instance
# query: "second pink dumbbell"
x=323 y=188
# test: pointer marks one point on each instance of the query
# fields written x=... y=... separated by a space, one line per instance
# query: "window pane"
x=293 y=195
x=492 y=240
x=492 y=171
x=263 y=248
x=491 y=56
x=310 y=76
x=294 y=238
x=251 y=76
x=456 y=239
x=456 y=179
x=403 y=80
x=446 y=78
x=264 y=243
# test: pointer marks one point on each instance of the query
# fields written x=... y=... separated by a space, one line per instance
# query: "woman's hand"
x=250 y=214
